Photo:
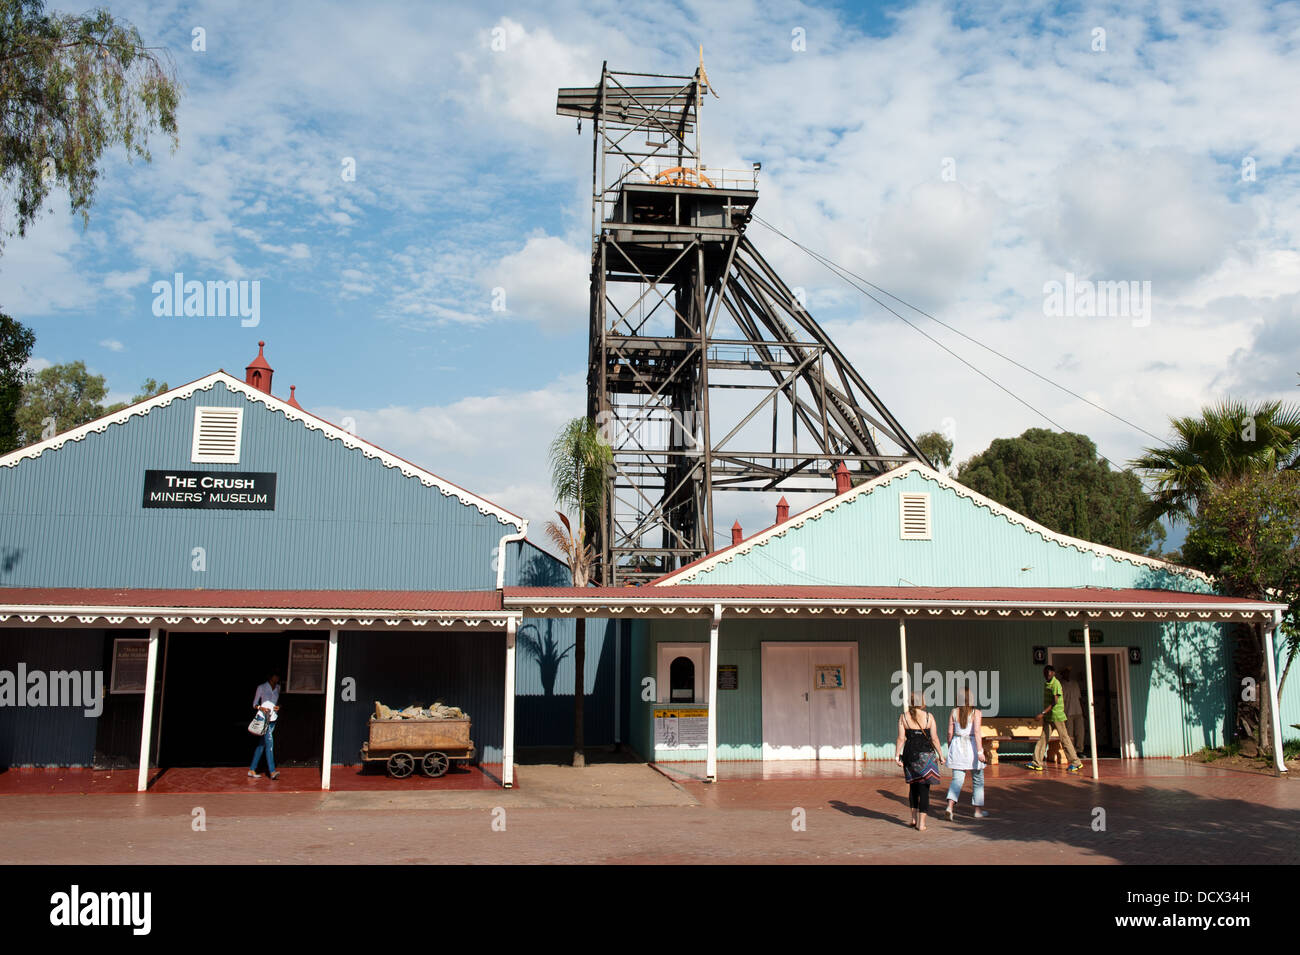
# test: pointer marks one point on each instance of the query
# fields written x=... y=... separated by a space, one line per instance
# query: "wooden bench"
x=995 y=730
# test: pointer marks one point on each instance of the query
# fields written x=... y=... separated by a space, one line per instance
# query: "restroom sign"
x=829 y=676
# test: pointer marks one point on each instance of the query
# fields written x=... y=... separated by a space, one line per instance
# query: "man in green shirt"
x=1053 y=714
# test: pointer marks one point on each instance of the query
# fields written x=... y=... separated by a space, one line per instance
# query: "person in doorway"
x=1053 y=715
x=966 y=754
x=918 y=754
x=1073 y=693
x=267 y=699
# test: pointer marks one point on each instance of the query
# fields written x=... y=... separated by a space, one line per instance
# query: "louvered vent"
x=217 y=433
x=914 y=516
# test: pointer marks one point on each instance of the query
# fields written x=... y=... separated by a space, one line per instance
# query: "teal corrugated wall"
x=1177 y=694
x=858 y=543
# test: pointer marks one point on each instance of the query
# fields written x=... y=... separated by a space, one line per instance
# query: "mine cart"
x=427 y=743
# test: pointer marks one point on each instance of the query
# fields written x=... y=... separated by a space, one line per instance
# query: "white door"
x=810 y=701
x=787 y=726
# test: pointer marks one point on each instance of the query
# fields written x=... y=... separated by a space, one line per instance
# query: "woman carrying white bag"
x=266 y=711
x=965 y=754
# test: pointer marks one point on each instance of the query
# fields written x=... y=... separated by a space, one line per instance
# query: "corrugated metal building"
x=815 y=620
x=218 y=486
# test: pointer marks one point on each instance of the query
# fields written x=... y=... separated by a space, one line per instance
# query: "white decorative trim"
x=333 y=432
x=692 y=571
x=253 y=617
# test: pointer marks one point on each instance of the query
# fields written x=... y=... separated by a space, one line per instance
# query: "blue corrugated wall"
x=72 y=517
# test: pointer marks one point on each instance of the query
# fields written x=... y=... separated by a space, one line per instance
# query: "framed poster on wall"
x=306 y=667
x=130 y=665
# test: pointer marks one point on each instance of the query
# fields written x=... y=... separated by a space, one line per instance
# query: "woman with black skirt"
x=920 y=757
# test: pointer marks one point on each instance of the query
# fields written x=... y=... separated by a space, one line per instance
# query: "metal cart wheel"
x=434 y=764
x=401 y=765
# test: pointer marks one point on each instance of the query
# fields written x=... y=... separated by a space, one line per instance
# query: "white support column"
x=331 y=691
x=508 y=734
x=902 y=652
x=711 y=760
x=146 y=729
x=1092 y=713
x=1276 y=720
x=618 y=679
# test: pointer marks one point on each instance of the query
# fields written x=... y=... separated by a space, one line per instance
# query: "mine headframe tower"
x=693 y=336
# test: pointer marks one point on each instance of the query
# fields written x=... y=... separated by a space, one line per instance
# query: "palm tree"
x=580 y=460
x=1228 y=441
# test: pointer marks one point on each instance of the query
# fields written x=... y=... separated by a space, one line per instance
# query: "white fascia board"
x=349 y=440
x=813 y=513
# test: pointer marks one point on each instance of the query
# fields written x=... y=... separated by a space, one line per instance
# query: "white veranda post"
x=1092 y=715
x=146 y=729
x=331 y=690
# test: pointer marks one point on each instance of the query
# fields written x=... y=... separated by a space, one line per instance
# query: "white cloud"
x=545 y=282
x=112 y=344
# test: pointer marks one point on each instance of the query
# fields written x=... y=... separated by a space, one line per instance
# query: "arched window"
x=681 y=680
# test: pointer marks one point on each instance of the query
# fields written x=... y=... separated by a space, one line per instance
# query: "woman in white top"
x=965 y=754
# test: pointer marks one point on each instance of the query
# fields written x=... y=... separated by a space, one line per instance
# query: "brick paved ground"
x=631 y=814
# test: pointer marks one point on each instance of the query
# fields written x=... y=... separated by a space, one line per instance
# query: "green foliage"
x=1228 y=441
x=1246 y=534
x=16 y=343
x=1059 y=481
x=68 y=394
x=71 y=87
x=580 y=460
x=148 y=390
x=936 y=447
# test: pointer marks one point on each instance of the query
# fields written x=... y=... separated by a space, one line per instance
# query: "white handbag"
x=258 y=726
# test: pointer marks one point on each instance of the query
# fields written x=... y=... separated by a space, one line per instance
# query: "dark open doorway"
x=1105 y=689
x=207 y=701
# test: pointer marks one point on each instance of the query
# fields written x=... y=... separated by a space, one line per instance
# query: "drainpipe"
x=1276 y=720
x=501 y=553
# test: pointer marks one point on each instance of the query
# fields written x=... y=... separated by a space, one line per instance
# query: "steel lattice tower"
x=684 y=309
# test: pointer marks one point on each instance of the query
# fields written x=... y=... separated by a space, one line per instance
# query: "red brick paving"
x=1161 y=815
x=229 y=779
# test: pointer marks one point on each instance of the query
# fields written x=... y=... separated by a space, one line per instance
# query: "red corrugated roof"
x=1009 y=595
x=426 y=601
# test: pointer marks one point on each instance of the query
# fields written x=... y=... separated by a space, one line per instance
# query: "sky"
x=380 y=169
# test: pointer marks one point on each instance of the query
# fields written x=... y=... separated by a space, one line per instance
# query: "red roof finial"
x=258 y=372
x=842 y=480
x=782 y=510
x=292 y=400
x=737 y=534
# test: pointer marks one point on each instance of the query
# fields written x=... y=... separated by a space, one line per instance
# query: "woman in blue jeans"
x=267 y=699
x=965 y=754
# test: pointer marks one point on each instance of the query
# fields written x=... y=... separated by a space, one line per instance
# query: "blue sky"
x=1117 y=164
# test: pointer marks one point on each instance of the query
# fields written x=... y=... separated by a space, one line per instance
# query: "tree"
x=580 y=458
x=58 y=398
x=71 y=87
x=16 y=344
x=1058 y=480
x=148 y=390
x=937 y=448
x=1226 y=442
x=1246 y=534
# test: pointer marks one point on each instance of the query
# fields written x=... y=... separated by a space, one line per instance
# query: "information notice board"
x=685 y=726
